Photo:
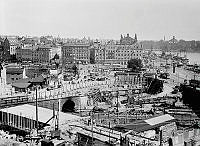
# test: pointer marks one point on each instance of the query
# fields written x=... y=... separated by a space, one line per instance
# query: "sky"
x=101 y=19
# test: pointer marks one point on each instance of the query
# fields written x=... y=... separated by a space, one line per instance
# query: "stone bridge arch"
x=76 y=103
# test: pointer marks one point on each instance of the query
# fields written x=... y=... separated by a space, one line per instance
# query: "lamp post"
x=36 y=108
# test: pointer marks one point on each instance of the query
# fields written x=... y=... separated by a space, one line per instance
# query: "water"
x=194 y=58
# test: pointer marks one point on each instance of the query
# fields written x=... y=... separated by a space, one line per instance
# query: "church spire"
x=136 y=37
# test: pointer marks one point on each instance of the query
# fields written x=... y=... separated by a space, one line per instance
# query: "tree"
x=56 y=56
x=155 y=86
x=135 y=64
x=75 y=69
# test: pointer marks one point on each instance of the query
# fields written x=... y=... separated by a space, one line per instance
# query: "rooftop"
x=148 y=124
x=13 y=70
x=21 y=85
x=44 y=114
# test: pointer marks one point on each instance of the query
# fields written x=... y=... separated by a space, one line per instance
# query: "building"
x=1 y=49
x=118 y=53
x=25 y=53
x=97 y=54
x=13 y=73
x=37 y=54
x=173 y=40
x=14 y=44
x=127 y=40
x=77 y=51
x=44 y=54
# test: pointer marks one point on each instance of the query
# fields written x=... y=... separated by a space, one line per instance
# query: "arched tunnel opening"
x=68 y=106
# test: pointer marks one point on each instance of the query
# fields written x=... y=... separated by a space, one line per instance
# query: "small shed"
x=21 y=87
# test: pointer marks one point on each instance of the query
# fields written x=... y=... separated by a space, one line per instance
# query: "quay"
x=104 y=103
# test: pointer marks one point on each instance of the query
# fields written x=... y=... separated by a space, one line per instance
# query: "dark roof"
x=148 y=124
x=21 y=85
x=14 y=70
x=26 y=80
x=31 y=80
x=38 y=79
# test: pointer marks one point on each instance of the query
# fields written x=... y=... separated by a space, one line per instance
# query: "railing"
x=42 y=96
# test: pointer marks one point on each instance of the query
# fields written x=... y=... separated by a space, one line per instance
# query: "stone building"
x=98 y=53
x=37 y=54
x=127 y=40
x=76 y=52
x=14 y=44
x=118 y=53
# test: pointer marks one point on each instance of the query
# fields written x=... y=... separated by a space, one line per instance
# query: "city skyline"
x=101 y=19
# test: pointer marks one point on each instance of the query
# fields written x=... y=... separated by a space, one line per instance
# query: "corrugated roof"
x=144 y=125
x=44 y=114
x=159 y=120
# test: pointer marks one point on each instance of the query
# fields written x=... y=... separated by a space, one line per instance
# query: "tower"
x=135 y=37
x=24 y=74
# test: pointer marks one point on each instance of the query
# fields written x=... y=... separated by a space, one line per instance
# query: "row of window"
x=125 y=51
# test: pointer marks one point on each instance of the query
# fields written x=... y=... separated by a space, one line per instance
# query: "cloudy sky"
x=150 y=19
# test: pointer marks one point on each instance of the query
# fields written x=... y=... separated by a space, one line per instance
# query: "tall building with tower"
x=118 y=53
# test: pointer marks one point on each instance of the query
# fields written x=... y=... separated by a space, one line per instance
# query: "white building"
x=118 y=53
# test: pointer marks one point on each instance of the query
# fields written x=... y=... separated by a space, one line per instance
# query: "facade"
x=98 y=53
x=114 y=53
x=13 y=48
x=1 y=49
x=39 y=54
x=13 y=73
x=127 y=40
x=24 y=53
x=44 y=54
x=14 y=44
x=77 y=52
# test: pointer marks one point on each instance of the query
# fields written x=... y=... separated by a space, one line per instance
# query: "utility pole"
x=161 y=138
x=58 y=114
x=109 y=124
x=92 y=127
x=36 y=106
x=118 y=106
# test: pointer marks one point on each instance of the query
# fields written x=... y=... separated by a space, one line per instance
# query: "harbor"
x=109 y=114
x=99 y=73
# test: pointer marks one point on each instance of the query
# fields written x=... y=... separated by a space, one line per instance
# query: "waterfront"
x=99 y=73
x=194 y=58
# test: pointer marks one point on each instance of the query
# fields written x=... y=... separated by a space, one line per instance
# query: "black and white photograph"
x=99 y=73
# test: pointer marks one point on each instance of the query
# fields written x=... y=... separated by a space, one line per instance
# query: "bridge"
x=48 y=99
